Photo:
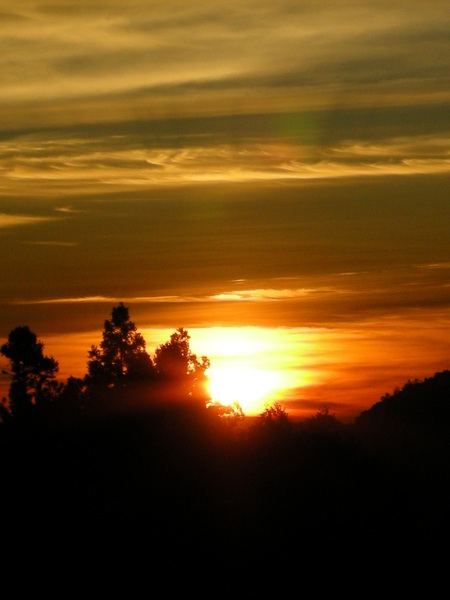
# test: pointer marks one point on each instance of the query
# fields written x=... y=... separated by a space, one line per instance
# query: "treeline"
x=119 y=371
x=123 y=377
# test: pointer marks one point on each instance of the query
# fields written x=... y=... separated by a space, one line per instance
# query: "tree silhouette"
x=33 y=373
x=180 y=371
x=122 y=355
x=273 y=423
x=275 y=416
x=71 y=398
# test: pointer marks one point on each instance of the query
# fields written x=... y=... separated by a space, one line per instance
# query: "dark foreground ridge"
x=176 y=486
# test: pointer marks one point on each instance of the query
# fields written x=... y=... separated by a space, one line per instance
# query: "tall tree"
x=121 y=356
x=180 y=369
x=32 y=373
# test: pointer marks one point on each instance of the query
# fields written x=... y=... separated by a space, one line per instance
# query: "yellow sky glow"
x=342 y=369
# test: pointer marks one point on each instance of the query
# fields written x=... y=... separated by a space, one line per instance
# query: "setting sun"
x=251 y=388
x=249 y=365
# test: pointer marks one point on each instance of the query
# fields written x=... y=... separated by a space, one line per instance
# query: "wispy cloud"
x=105 y=300
x=250 y=295
x=81 y=299
x=67 y=209
x=268 y=295
x=363 y=292
x=119 y=162
x=7 y=220
x=442 y=265
x=108 y=48
x=50 y=243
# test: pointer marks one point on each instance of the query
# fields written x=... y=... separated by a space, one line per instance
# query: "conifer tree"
x=32 y=373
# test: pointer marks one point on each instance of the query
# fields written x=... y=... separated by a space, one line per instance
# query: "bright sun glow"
x=253 y=366
x=250 y=387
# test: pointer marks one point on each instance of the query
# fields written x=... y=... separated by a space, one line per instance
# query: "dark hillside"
x=412 y=424
x=178 y=487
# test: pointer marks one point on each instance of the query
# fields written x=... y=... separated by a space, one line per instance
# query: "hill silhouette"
x=416 y=404
x=412 y=424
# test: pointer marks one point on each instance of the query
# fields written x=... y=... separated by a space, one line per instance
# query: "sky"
x=272 y=176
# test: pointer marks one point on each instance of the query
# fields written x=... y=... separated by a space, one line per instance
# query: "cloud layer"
x=58 y=52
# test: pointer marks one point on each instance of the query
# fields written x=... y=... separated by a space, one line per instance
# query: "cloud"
x=266 y=295
x=108 y=49
x=67 y=209
x=7 y=220
x=335 y=297
x=268 y=148
x=51 y=243
x=250 y=295
x=442 y=265
x=81 y=299
x=253 y=295
x=105 y=300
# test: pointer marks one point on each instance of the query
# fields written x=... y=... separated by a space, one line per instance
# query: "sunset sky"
x=272 y=176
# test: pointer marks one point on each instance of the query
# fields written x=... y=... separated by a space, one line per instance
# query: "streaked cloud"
x=50 y=243
x=66 y=209
x=7 y=220
x=443 y=265
x=94 y=165
x=110 y=48
x=82 y=299
x=363 y=293
x=231 y=296
x=265 y=295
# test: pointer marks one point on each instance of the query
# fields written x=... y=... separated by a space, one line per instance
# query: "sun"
x=250 y=387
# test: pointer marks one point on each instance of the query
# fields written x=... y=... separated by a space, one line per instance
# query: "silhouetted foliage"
x=229 y=418
x=180 y=371
x=417 y=403
x=71 y=399
x=229 y=411
x=121 y=358
x=322 y=423
x=33 y=373
x=412 y=424
x=274 y=418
